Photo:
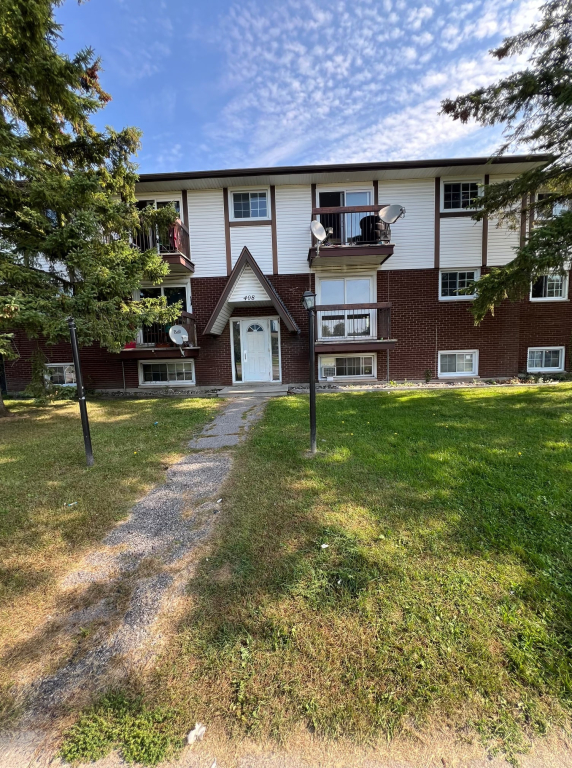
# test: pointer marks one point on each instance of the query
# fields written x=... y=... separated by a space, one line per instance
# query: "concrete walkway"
x=151 y=555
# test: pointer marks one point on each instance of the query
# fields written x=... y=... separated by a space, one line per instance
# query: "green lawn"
x=42 y=470
x=444 y=592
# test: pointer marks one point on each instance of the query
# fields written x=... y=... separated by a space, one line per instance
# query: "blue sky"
x=223 y=84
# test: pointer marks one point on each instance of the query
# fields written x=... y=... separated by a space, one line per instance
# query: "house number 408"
x=250 y=297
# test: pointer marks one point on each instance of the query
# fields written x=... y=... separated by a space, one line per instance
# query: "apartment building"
x=388 y=303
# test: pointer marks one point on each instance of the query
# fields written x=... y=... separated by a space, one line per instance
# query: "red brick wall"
x=421 y=323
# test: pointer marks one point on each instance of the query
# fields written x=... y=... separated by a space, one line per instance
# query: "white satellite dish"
x=318 y=231
x=391 y=213
x=178 y=334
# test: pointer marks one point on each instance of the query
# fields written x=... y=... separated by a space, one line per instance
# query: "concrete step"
x=254 y=390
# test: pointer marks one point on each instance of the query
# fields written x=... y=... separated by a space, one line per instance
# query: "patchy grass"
x=443 y=594
x=42 y=471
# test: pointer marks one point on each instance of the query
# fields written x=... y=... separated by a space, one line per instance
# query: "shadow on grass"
x=443 y=591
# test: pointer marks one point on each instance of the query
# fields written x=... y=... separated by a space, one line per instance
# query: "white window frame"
x=60 y=365
x=472 y=180
x=564 y=296
x=255 y=320
x=362 y=377
x=372 y=277
x=464 y=374
x=164 y=197
x=461 y=297
x=232 y=192
x=166 y=361
x=186 y=284
x=561 y=366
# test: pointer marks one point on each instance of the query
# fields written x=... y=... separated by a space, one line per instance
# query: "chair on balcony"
x=372 y=230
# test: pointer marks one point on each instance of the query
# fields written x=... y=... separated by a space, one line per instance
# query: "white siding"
x=413 y=235
x=293 y=214
x=248 y=285
x=206 y=230
x=501 y=240
x=258 y=240
x=461 y=242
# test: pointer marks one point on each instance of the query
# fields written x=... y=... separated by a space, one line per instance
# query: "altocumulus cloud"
x=355 y=80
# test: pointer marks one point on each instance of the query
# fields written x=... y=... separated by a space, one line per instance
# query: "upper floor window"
x=173 y=294
x=452 y=282
x=343 y=323
x=549 y=287
x=557 y=209
x=250 y=205
x=348 y=228
x=142 y=204
x=458 y=195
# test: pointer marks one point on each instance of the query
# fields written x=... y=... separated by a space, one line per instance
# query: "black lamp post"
x=80 y=393
x=309 y=302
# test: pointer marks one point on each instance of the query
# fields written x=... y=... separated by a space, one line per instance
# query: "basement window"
x=545 y=359
x=347 y=367
x=459 y=362
x=181 y=372
x=61 y=374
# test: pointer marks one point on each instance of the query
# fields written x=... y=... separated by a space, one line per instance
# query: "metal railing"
x=353 y=321
x=173 y=239
x=353 y=225
x=158 y=335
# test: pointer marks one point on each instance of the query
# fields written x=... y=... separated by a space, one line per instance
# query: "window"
x=168 y=373
x=62 y=374
x=348 y=228
x=453 y=282
x=347 y=367
x=142 y=204
x=459 y=363
x=342 y=323
x=557 y=208
x=173 y=294
x=549 y=287
x=458 y=195
x=545 y=359
x=250 y=205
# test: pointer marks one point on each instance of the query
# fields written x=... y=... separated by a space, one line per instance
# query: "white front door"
x=256 y=353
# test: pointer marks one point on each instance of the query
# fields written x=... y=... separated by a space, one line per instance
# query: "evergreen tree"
x=535 y=105
x=67 y=203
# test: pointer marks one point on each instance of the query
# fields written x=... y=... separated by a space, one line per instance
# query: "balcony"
x=172 y=243
x=353 y=327
x=153 y=341
x=357 y=236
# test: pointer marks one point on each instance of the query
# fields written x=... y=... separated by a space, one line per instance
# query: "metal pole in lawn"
x=80 y=393
x=309 y=302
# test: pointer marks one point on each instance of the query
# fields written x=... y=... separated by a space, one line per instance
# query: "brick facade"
x=421 y=323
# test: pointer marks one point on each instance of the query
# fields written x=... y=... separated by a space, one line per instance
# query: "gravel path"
x=151 y=557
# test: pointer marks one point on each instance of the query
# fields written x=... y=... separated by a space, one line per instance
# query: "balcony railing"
x=157 y=335
x=358 y=322
x=353 y=225
x=173 y=239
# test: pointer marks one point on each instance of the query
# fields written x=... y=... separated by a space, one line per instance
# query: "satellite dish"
x=391 y=213
x=178 y=334
x=318 y=231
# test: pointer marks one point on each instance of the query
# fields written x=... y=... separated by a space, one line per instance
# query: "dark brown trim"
x=185 y=203
x=251 y=223
x=148 y=353
x=247 y=258
x=437 y=221
x=342 y=251
x=485 y=232
x=347 y=167
x=375 y=192
x=274 y=234
x=227 y=231
x=178 y=260
x=314 y=199
x=531 y=213
x=456 y=214
x=348 y=209
x=351 y=307
x=354 y=346
x=523 y=220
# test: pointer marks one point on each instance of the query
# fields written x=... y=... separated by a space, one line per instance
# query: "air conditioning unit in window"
x=328 y=371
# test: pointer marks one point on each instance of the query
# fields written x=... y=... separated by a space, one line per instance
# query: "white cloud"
x=313 y=81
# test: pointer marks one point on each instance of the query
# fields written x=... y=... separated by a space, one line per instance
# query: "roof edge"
x=347 y=167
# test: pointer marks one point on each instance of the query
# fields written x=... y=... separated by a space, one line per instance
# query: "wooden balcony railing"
x=359 y=322
x=173 y=239
x=157 y=335
x=353 y=225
